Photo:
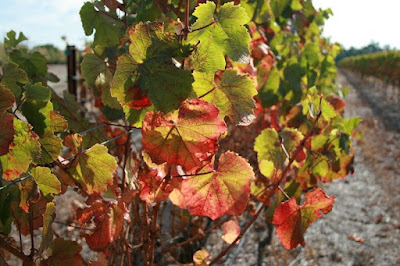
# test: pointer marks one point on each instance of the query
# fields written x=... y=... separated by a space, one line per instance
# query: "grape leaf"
x=149 y=65
x=51 y=147
x=109 y=221
x=232 y=230
x=186 y=138
x=268 y=145
x=12 y=75
x=47 y=233
x=7 y=99
x=12 y=41
x=22 y=218
x=64 y=253
x=223 y=34
x=6 y=132
x=200 y=256
x=23 y=149
x=268 y=94
x=293 y=220
x=7 y=196
x=38 y=115
x=233 y=95
x=94 y=169
x=153 y=187
x=33 y=63
x=108 y=27
x=37 y=92
x=220 y=192
x=91 y=67
x=47 y=182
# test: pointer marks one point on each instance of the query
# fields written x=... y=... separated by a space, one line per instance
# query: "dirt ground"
x=364 y=226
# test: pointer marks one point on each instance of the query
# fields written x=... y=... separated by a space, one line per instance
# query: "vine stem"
x=187 y=9
x=153 y=234
x=270 y=193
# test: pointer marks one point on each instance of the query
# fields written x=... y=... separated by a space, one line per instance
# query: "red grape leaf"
x=232 y=230
x=22 y=218
x=220 y=192
x=187 y=138
x=153 y=186
x=293 y=220
x=135 y=99
x=6 y=100
x=6 y=132
x=109 y=219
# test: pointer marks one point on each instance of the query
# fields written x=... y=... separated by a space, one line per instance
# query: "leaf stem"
x=203 y=27
x=186 y=29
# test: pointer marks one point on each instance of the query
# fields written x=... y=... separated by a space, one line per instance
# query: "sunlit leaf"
x=149 y=66
x=214 y=193
x=47 y=182
x=186 y=138
x=233 y=95
x=223 y=34
x=293 y=220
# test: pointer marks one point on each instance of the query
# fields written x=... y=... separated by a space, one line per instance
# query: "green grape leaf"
x=12 y=41
x=37 y=92
x=47 y=233
x=221 y=33
x=51 y=147
x=149 y=66
x=269 y=145
x=108 y=27
x=23 y=149
x=233 y=95
x=91 y=67
x=38 y=115
x=34 y=63
x=311 y=54
x=7 y=196
x=94 y=169
x=268 y=94
x=186 y=138
x=220 y=192
x=292 y=220
x=12 y=75
x=47 y=182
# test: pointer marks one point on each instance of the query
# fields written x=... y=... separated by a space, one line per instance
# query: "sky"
x=354 y=23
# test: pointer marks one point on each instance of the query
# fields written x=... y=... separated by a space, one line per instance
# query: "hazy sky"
x=354 y=23
x=358 y=22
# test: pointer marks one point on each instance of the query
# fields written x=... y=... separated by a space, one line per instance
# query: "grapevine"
x=204 y=109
